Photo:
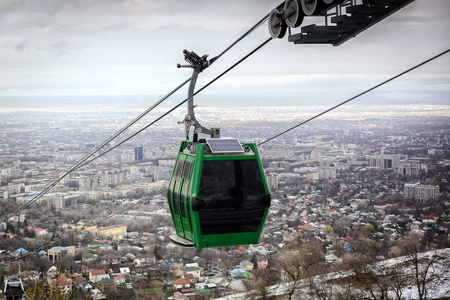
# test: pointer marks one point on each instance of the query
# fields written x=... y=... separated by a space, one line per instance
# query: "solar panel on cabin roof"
x=225 y=145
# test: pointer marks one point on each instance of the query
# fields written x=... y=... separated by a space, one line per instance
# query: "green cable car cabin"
x=218 y=195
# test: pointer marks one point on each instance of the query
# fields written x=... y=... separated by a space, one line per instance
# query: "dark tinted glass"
x=177 y=185
x=231 y=190
x=186 y=171
x=188 y=200
x=252 y=184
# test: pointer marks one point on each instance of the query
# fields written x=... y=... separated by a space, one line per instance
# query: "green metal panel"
x=194 y=193
x=176 y=200
x=261 y=169
x=263 y=178
x=186 y=222
x=170 y=194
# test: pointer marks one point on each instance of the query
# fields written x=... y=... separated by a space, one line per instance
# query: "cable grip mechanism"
x=198 y=64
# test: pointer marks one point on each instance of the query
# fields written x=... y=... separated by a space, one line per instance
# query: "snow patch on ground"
x=441 y=290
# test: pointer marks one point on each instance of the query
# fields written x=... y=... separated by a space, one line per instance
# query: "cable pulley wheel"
x=294 y=13
x=328 y=1
x=308 y=6
x=277 y=28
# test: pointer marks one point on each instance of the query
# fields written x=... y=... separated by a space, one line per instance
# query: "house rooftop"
x=98 y=272
x=188 y=276
x=190 y=269
x=181 y=281
x=106 y=281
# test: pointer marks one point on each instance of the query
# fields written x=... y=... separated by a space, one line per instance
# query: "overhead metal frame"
x=346 y=19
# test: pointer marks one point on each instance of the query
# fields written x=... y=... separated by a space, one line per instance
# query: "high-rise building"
x=410 y=168
x=420 y=192
x=56 y=202
x=327 y=172
x=272 y=180
x=138 y=153
x=316 y=155
x=162 y=175
x=409 y=190
x=385 y=162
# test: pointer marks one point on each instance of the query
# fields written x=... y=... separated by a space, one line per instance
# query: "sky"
x=54 y=48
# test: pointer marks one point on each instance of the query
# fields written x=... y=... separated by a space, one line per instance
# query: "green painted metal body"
x=226 y=220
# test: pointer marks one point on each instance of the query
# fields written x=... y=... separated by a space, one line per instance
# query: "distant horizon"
x=212 y=100
x=127 y=48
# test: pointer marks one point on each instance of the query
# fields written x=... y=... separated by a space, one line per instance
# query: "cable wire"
x=182 y=102
x=83 y=162
x=258 y=24
x=90 y=154
x=357 y=96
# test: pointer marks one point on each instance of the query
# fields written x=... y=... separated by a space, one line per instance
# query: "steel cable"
x=83 y=162
x=357 y=96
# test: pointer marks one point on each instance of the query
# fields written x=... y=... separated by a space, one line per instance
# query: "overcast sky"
x=131 y=47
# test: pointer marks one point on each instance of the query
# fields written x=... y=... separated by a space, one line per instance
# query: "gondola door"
x=178 y=196
x=185 y=186
x=173 y=194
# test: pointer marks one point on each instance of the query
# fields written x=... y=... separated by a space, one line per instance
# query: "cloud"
x=61 y=47
x=82 y=15
x=21 y=46
x=132 y=43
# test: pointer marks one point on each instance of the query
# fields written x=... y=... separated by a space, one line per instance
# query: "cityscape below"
x=362 y=190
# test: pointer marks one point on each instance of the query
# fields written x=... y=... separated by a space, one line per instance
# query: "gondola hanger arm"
x=198 y=64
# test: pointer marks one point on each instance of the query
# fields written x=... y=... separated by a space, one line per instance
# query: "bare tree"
x=398 y=280
x=158 y=295
x=263 y=279
x=204 y=296
x=300 y=264
x=378 y=280
x=425 y=274
x=369 y=277
x=47 y=293
x=347 y=292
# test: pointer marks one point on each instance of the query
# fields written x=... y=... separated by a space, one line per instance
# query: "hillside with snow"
x=428 y=270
